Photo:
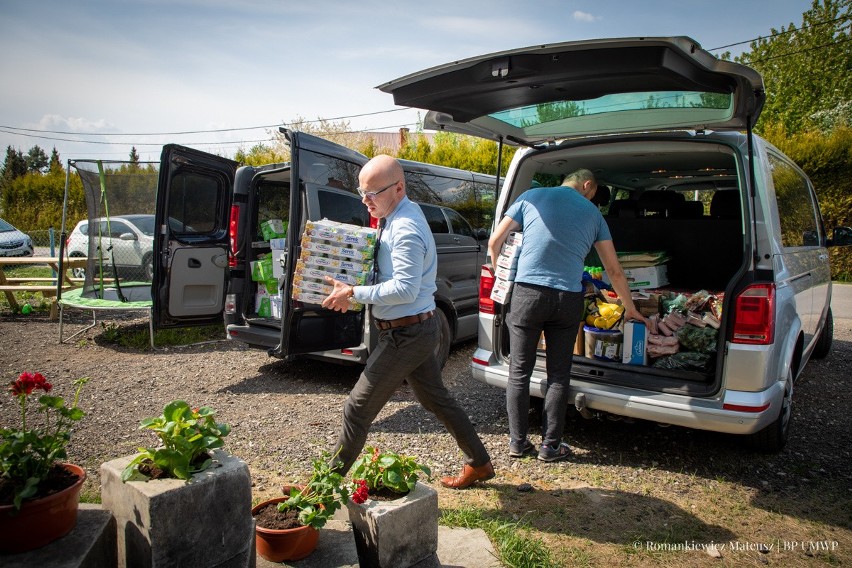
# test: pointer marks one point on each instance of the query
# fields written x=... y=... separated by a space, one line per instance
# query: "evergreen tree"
x=36 y=160
x=134 y=156
x=14 y=165
x=55 y=165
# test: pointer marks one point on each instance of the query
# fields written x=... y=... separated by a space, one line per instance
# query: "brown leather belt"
x=402 y=322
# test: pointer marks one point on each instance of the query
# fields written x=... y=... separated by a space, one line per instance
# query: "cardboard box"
x=501 y=291
x=278 y=255
x=515 y=238
x=273 y=229
x=648 y=303
x=509 y=262
x=580 y=343
x=261 y=269
x=645 y=277
x=506 y=273
x=634 y=349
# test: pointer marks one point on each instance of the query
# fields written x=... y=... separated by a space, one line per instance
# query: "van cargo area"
x=683 y=203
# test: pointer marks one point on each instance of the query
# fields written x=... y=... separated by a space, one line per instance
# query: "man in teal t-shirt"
x=560 y=227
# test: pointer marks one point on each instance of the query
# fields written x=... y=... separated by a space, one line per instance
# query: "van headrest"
x=659 y=203
x=690 y=210
x=622 y=208
x=725 y=204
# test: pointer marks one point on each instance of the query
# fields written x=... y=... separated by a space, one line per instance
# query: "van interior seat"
x=622 y=208
x=659 y=203
x=689 y=210
x=725 y=204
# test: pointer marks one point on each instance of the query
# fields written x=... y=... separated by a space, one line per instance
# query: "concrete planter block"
x=399 y=533
x=205 y=521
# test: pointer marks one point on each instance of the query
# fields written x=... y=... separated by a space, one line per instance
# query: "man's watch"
x=351 y=292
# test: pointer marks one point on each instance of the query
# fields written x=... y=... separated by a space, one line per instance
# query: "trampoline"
x=116 y=237
x=137 y=298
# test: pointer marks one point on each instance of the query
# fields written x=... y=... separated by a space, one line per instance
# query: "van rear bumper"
x=690 y=412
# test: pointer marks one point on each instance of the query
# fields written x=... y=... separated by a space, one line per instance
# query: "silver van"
x=217 y=211
x=667 y=128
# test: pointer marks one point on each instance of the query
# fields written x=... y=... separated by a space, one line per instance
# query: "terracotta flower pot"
x=41 y=521
x=283 y=545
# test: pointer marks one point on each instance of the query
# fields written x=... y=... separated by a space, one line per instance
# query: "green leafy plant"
x=28 y=454
x=324 y=493
x=395 y=472
x=187 y=436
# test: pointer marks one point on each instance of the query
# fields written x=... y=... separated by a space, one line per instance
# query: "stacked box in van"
x=339 y=251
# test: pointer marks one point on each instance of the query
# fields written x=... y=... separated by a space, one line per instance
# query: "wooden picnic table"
x=47 y=285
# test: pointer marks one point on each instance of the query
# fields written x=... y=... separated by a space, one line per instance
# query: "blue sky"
x=138 y=73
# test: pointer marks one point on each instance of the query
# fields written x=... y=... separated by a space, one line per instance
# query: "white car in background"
x=14 y=242
x=125 y=242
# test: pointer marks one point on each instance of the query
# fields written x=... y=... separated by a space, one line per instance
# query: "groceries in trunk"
x=682 y=331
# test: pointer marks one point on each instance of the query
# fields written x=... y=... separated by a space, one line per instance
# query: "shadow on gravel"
x=809 y=479
x=304 y=376
x=609 y=516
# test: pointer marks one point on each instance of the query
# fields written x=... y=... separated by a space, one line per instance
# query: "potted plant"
x=187 y=481
x=38 y=492
x=187 y=435
x=287 y=527
x=398 y=526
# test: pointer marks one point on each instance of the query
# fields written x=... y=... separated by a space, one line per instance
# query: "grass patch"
x=135 y=336
x=514 y=548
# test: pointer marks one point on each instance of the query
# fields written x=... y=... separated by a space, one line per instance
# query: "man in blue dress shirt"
x=403 y=306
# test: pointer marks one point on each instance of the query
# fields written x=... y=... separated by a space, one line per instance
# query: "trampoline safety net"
x=117 y=237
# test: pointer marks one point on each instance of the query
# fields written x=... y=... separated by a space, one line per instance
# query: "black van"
x=205 y=273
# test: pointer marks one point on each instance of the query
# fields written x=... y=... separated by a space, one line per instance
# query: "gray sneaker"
x=526 y=449
x=549 y=454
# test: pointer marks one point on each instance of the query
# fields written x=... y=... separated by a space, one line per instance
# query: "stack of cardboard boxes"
x=337 y=250
x=266 y=270
x=507 y=266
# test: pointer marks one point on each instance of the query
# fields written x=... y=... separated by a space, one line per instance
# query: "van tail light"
x=754 y=315
x=233 y=232
x=486 y=284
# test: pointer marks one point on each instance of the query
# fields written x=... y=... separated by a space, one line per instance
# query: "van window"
x=458 y=224
x=194 y=202
x=343 y=207
x=435 y=218
x=796 y=207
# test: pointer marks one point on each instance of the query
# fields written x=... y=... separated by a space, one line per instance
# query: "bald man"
x=403 y=307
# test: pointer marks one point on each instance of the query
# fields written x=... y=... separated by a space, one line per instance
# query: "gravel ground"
x=637 y=476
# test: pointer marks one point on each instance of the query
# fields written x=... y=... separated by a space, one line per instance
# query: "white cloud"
x=585 y=17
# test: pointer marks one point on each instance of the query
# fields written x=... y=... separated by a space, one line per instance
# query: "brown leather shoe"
x=469 y=475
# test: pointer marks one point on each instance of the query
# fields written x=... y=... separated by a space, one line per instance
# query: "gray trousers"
x=533 y=310
x=404 y=353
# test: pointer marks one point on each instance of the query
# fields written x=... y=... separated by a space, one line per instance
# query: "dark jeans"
x=404 y=353
x=534 y=309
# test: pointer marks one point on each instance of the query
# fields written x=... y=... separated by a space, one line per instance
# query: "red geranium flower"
x=361 y=494
x=28 y=382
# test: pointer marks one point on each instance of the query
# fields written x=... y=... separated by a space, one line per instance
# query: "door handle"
x=193 y=263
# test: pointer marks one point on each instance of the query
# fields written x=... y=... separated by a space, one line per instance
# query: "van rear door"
x=326 y=175
x=191 y=238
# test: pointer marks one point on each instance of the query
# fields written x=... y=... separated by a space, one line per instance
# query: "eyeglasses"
x=371 y=195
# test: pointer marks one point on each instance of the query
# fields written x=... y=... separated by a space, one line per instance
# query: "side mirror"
x=127 y=237
x=842 y=237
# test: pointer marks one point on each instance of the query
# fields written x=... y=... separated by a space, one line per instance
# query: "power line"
x=158 y=144
x=785 y=32
x=208 y=131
